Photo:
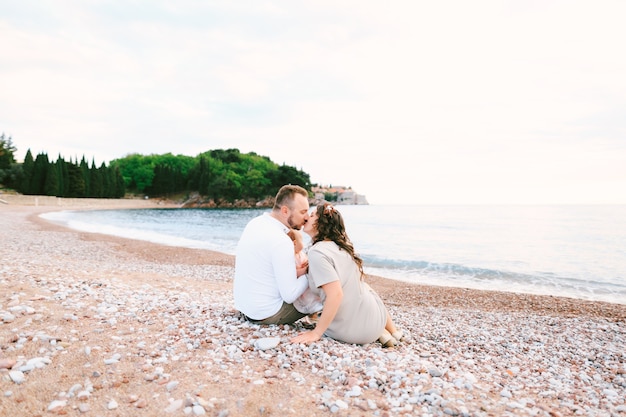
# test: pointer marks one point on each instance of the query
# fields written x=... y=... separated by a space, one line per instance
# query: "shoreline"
x=433 y=295
x=147 y=329
x=527 y=299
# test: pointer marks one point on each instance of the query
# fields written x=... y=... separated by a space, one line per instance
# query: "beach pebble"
x=267 y=343
x=175 y=405
x=354 y=392
x=57 y=406
x=17 y=376
x=6 y=363
x=76 y=387
x=198 y=410
x=7 y=317
x=113 y=359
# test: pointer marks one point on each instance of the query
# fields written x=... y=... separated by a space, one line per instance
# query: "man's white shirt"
x=265 y=269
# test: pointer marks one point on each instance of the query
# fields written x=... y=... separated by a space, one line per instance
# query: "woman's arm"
x=334 y=295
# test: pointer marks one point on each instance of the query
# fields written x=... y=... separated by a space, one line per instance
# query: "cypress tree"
x=27 y=174
x=106 y=181
x=51 y=183
x=60 y=181
x=96 y=181
x=65 y=174
x=84 y=167
x=76 y=181
x=120 y=185
x=40 y=169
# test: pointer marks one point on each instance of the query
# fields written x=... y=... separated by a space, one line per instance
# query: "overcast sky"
x=404 y=101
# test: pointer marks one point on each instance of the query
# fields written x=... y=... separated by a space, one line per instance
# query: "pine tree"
x=7 y=152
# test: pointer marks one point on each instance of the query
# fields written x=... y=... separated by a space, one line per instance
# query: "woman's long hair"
x=330 y=226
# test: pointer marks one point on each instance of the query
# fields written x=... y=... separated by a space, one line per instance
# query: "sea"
x=576 y=251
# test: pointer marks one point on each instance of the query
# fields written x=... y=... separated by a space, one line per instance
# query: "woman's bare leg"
x=389 y=326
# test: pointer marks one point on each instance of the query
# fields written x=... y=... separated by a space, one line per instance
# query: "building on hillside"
x=339 y=195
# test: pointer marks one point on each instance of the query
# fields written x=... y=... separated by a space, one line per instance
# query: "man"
x=267 y=281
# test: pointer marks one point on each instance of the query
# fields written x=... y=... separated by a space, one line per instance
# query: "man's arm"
x=284 y=264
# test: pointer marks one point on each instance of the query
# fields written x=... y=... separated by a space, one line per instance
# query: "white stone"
x=56 y=404
x=266 y=343
x=17 y=376
x=174 y=406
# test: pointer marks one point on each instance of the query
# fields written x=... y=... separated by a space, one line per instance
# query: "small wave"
x=455 y=275
x=448 y=269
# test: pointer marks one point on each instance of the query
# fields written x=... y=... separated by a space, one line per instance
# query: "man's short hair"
x=286 y=195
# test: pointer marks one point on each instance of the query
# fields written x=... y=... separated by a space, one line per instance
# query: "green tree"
x=218 y=174
x=76 y=181
x=13 y=176
x=163 y=182
x=51 y=182
x=60 y=179
x=64 y=177
x=227 y=156
x=96 y=181
x=120 y=187
x=27 y=174
x=40 y=169
x=290 y=175
x=227 y=186
x=107 y=181
x=199 y=175
x=137 y=170
x=7 y=157
x=84 y=167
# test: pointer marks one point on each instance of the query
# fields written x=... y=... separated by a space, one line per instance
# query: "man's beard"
x=292 y=224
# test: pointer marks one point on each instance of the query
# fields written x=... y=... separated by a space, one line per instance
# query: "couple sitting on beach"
x=269 y=285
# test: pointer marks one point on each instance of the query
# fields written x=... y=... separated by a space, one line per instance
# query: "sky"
x=407 y=102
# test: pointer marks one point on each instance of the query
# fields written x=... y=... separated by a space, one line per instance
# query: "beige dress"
x=362 y=315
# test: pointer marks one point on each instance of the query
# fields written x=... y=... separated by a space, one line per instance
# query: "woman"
x=353 y=312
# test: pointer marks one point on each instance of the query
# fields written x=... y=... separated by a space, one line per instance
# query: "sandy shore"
x=103 y=326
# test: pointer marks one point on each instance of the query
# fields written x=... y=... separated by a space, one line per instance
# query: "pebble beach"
x=94 y=325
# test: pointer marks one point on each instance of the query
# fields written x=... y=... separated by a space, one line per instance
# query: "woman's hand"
x=306 y=337
x=334 y=295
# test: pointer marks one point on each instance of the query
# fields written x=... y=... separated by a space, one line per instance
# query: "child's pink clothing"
x=308 y=302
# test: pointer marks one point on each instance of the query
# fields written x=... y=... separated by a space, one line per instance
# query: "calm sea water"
x=572 y=251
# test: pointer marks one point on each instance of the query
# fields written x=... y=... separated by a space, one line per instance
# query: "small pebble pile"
x=175 y=346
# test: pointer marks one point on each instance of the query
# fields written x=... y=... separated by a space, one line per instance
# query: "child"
x=309 y=302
